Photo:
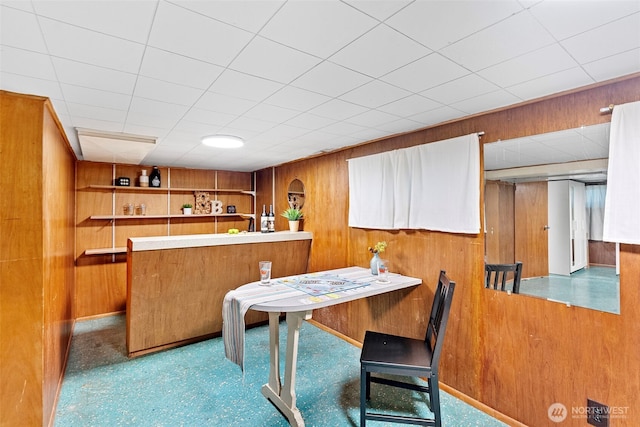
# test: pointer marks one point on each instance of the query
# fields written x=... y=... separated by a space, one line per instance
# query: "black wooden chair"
x=496 y=276
x=407 y=357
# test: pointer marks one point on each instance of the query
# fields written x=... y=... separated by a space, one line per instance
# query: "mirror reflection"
x=544 y=203
x=295 y=194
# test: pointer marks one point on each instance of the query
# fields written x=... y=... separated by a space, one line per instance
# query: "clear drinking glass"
x=265 y=272
x=383 y=271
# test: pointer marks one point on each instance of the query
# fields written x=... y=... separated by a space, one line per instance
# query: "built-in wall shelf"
x=193 y=216
x=106 y=251
x=170 y=189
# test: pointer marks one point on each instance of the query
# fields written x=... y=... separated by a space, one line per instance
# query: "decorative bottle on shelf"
x=271 y=220
x=144 y=178
x=264 y=221
x=154 y=178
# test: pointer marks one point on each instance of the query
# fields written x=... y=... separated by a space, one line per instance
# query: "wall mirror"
x=544 y=200
x=295 y=194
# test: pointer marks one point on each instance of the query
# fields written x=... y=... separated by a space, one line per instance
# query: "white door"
x=560 y=251
x=579 y=240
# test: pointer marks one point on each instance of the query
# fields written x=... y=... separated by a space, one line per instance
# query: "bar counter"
x=176 y=284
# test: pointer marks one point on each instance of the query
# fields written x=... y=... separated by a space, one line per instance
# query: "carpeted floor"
x=195 y=385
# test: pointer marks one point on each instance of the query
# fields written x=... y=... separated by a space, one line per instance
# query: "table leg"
x=285 y=398
x=274 y=352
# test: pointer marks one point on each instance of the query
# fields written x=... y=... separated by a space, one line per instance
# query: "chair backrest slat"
x=496 y=276
x=439 y=317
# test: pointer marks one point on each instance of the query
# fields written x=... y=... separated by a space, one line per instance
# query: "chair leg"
x=434 y=397
x=368 y=382
x=364 y=395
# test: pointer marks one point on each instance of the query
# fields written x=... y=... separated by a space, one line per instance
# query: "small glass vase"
x=374 y=264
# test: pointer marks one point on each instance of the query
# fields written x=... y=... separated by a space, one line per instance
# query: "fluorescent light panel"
x=114 y=147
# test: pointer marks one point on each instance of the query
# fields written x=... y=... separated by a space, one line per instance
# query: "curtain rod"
x=607 y=110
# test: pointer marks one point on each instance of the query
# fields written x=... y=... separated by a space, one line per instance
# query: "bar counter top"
x=200 y=240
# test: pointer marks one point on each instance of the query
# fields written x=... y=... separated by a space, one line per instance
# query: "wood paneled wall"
x=36 y=258
x=516 y=354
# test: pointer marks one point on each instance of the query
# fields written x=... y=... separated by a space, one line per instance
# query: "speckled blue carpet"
x=195 y=385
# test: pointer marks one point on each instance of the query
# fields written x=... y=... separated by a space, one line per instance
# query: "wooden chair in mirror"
x=499 y=276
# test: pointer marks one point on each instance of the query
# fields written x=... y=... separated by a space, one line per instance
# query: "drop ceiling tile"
x=26 y=63
x=547 y=85
x=196 y=128
x=196 y=36
x=248 y=15
x=21 y=30
x=616 y=37
x=136 y=129
x=410 y=105
x=330 y=79
x=171 y=112
x=98 y=98
x=380 y=9
x=271 y=113
x=343 y=128
x=273 y=61
x=614 y=66
x=338 y=110
x=563 y=19
x=439 y=115
x=130 y=20
x=166 y=92
x=90 y=47
x=296 y=99
x=170 y=67
x=379 y=52
x=310 y=121
x=539 y=63
x=89 y=111
x=372 y=118
x=466 y=87
x=224 y=104
x=486 y=102
x=252 y=125
x=375 y=94
x=244 y=86
x=399 y=126
x=279 y=134
x=320 y=28
x=18 y=4
x=490 y=46
x=94 y=77
x=209 y=117
x=146 y=119
x=428 y=72
x=449 y=21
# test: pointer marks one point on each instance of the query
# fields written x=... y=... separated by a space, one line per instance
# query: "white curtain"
x=595 y=195
x=433 y=186
x=373 y=177
x=622 y=204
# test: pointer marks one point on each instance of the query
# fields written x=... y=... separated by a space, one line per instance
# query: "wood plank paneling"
x=516 y=354
x=175 y=295
x=36 y=258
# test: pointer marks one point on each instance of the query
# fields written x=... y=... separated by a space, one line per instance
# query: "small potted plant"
x=186 y=208
x=294 y=216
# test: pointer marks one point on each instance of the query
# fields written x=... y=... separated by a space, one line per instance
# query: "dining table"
x=296 y=297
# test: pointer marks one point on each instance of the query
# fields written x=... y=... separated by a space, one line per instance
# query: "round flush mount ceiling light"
x=223 y=141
